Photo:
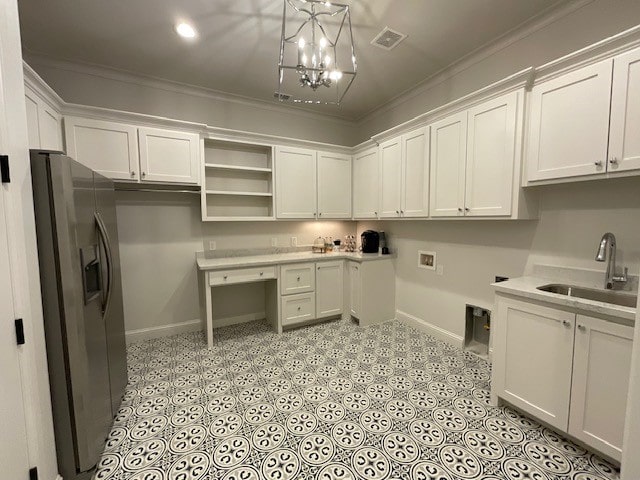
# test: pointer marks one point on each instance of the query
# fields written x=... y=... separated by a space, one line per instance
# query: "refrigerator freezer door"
x=114 y=316
x=73 y=200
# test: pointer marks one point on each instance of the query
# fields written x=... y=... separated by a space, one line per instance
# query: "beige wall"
x=591 y=23
x=159 y=235
x=573 y=217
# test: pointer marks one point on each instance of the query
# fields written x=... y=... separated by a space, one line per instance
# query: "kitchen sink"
x=607 y=296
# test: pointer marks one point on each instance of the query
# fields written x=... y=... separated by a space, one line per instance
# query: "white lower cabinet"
x=329 y=288
x=310 y=291
x=372 y=291
x=569 y=370
x=533 y=353
x=601 y=369
x=298 y=308
x=355 y=289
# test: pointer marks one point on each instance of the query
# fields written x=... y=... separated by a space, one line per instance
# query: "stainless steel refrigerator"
x=82 y=303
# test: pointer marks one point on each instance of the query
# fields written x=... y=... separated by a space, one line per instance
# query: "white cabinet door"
x=391 y=177
x=355 y=289
x=491 y=154
x=601 y=369
x=109 y=148
x=50 y=124
x=624 y=140
x=44 y=125
x=569 y=124
x=31 y=101
x=334 y=185
x=533 y=349
x=329 y=288
x=448 y=158
x=366 y=184
x=295 y=183
x=415 y=174
x=169 y=157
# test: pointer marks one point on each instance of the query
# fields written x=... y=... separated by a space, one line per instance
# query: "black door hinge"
x=4 y=168
x=33 y=473
x=19 y=331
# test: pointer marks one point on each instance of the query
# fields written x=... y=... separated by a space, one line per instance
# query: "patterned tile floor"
x=329 y=402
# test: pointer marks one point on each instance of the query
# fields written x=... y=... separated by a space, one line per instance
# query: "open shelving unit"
x=237 y=181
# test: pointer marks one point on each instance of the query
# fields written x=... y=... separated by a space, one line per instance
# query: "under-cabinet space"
x=218 y=206
x=237 y=181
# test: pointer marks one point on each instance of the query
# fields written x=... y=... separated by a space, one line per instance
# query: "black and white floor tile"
x=327 y=402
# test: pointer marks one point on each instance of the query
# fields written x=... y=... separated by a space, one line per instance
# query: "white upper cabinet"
x=44 y=124
x=448 y=157
x=391 y=177
x=601 y=369
x=569 y=124
x=366 y=184
x=491 y=154
x=295 y=183
x=126 y=152
x=415 y=174
x=334 y=185
x=624 y=137
x=168 y=157
x=109 y=148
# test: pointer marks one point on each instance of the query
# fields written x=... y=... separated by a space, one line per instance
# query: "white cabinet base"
x=372 y=294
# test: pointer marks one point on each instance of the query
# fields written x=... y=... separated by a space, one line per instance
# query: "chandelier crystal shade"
x=317 y=58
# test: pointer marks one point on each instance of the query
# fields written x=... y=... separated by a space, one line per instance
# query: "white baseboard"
x=429 y=328
x=141 y=334
x=226 y=321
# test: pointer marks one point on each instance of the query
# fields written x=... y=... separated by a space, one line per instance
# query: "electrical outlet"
x=212 y=244
x=440 y=270
x=501 y=278
x=294 y=241
x=274 y=242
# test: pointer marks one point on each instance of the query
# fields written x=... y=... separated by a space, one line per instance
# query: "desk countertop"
x=282 y=258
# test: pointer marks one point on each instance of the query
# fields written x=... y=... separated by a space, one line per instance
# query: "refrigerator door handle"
x=104 y=238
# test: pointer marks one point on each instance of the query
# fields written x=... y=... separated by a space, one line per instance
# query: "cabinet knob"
x=460 y=210
x=261 y=273
x=402 y=212
x=466 y=209
x=375 y=213
x=566 y=323
x=582 y=328
x=298 y=278
x=320 y=214
x=397 y=212
x=298 y=308
x=598 y=164
x=144 y=174
x=318 y=268
x=613 y=160
x=225 y=277
x=133 y=174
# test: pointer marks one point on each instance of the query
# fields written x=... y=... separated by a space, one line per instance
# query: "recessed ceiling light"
x=185 y=30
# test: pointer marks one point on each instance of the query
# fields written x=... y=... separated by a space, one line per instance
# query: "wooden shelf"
x=220 y=166
x=244 y=194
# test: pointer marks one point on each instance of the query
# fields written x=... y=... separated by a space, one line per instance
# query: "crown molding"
x=38 y=85
x=176 y=87
x=525 y=29
x=594 y=53
x=520 y=80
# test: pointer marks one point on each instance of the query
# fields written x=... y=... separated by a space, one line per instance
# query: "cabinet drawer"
x=241 y=275
x=297 y=278
x=298 y=308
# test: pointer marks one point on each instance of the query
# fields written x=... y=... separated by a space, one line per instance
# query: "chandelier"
x=317 y=58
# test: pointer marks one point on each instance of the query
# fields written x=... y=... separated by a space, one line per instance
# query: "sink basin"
x=607 y=296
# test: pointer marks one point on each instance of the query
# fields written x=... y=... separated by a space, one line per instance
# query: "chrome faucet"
x=609 y=240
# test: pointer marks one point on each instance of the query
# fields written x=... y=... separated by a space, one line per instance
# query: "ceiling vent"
x=283 y=97
x=388 y=39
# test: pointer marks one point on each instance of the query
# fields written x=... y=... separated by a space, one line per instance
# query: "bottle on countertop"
x=328 y=244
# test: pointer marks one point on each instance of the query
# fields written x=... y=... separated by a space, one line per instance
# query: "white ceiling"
x=238 y=44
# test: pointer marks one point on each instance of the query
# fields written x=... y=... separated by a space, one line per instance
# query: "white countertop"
x=281 y=258
x=527 y=287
